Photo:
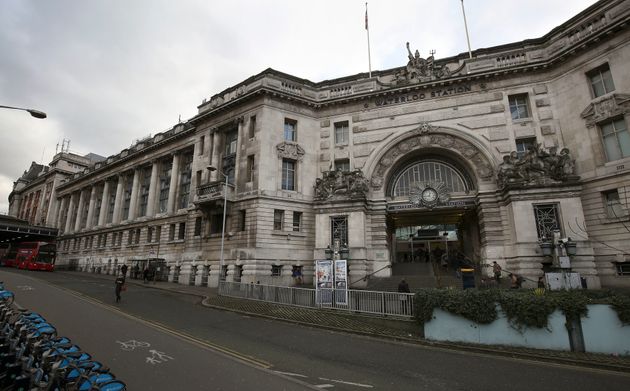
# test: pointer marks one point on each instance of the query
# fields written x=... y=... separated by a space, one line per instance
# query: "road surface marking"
x=290 y=374
x=132 y=344
x=347 y=382
x=324 y=386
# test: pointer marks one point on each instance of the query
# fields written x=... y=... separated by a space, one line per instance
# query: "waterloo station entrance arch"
x=432 y=180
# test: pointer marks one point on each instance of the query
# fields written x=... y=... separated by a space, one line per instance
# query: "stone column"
x=77 y=223
x=53 y=206
x=153 y=188
x=91 y=206
x=63 y=204
x=104 y=204
x=119 y=199
x=134 y=195
x=14 y=207
x=172 y=190
x=214 y=159
x=70 y=213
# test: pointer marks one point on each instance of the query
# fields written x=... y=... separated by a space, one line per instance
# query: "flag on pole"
x=366 y=18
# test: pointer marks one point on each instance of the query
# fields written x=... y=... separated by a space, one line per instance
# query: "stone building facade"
x=485 y=158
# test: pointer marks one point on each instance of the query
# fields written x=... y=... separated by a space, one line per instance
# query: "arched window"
x=429 y=171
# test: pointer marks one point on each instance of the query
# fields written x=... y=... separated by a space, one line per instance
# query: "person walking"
x=496 y=270
x=119 y=286
x=403 y=287
x=123 y=271
x=145 y=275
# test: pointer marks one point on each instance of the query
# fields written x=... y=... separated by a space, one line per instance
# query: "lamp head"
x=37 y=113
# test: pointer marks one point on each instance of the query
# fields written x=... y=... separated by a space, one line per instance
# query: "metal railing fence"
x=352 y=300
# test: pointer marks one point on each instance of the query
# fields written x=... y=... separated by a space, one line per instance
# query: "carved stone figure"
x=419 y=69
x=288 y=150
x=536 y=167
x=341 y=183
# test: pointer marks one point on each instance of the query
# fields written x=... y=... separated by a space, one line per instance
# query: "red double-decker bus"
x=36 y=256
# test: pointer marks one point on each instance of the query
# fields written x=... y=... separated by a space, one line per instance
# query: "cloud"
x=110 y=72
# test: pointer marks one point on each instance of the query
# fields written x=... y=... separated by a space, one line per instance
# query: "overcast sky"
x=108 y=72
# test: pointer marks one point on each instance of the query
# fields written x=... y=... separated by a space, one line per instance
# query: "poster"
x=341 y=281
x=324 y=281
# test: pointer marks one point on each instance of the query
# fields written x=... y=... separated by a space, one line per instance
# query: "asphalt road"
x=143 y=356
x=328 y=360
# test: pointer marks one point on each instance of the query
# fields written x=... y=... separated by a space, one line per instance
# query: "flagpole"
x=368 y=40
x=466 y=28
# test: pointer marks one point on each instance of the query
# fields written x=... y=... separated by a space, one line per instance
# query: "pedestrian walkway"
x=397 y=329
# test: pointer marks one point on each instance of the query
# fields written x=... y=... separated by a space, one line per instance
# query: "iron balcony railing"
x=366 y=302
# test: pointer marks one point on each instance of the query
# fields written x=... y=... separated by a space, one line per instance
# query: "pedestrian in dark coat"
x=145 y=274
x=119 y=283
x=123 y=271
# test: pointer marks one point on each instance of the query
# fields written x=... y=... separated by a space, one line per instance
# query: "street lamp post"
x=34 y=113
x=213 y=168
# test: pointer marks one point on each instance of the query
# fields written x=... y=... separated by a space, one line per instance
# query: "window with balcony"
x=601 y=80
x=519 y=106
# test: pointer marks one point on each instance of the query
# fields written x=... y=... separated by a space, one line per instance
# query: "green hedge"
x=523 y=308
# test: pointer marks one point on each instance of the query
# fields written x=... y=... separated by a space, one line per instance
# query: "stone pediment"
x=609 y=107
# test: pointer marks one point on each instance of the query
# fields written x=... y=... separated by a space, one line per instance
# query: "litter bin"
x=468 y=278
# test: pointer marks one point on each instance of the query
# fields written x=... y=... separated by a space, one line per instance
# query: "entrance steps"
x=418 y=276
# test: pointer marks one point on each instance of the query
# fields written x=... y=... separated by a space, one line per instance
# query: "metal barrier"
x=359 y=301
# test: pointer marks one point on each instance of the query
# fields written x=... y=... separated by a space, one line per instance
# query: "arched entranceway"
x=432 y=180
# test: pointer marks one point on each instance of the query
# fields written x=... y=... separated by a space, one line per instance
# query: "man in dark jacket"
x=119 y=283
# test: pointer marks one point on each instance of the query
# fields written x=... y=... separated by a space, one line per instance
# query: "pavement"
x=395 y=329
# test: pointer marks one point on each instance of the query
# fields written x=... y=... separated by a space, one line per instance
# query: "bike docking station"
x=33 y=357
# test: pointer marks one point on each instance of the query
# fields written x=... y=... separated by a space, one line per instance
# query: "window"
x=182 y=231
x=342 y=165
x=184 y=180
x=623 y=268
x=614 y=209
x=165 y=184
x=197 y=226
x=250 y=168
x=616 y=139
x=523 y=145
x=110 y=206
x=276 y=270
x=144 y=190
x=278 y=216
x=519 y=106
x=339 y=230
x=127 y=197
x=129 y=238
x=288 y=174
x=601 y=81
x=297 y=221
x=290 y=129
x=547 y=220
x=216 y=223
x=231 y=139
x=104 y=240
x=252 y=126
x=242 y=220
x=158 y=233
x=202 y=142
x=171 y=232
x=150 y=235
x=341 y=133
x=97 y=211
x=137 y=236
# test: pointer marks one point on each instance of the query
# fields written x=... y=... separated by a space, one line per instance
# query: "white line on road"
x=347 y=382
x=290 y=374
x=324 y=386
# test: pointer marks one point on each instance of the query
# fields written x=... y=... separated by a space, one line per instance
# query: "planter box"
x=448 y=327
x=603 y=331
